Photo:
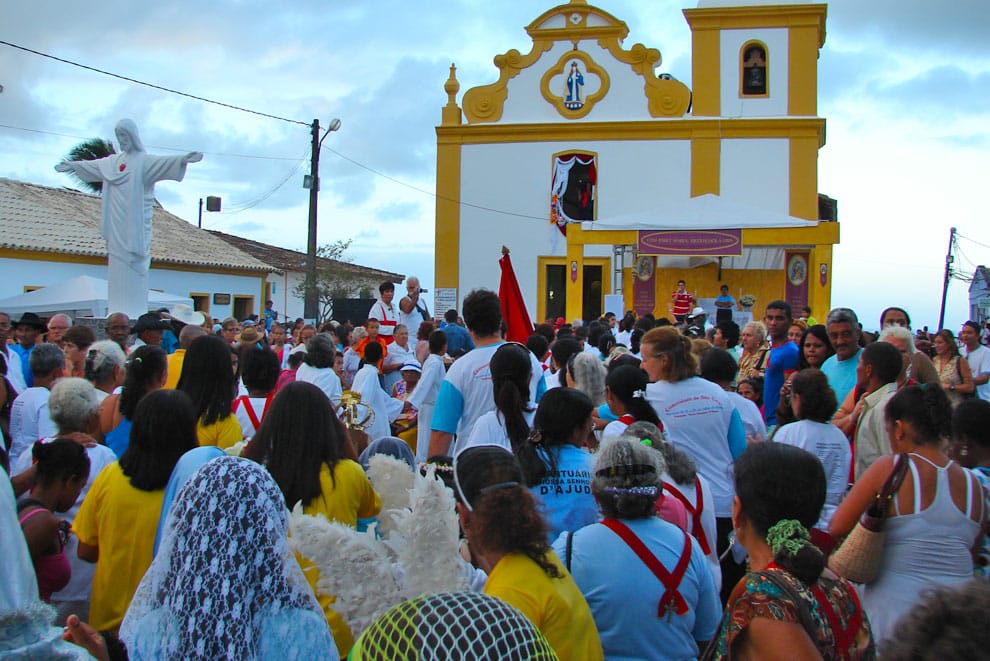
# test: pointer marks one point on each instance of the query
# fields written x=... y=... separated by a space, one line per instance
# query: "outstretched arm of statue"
x=85 y=170
x=194 y=157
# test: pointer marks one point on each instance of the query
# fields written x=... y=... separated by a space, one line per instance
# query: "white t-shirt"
x=258 y=405
x=708 y=524
x=697 y=416
x=490 y=430
x=752 y=419
x=830 y=445
x=30 y=420
x=396 y=355
x=414 y=317
x=466 y=392
x=389 y=314
x=979 y=363
x=322 y=377
x=386 y=408
x=15 y=372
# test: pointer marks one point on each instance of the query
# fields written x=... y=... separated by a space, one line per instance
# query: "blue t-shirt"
x=25 y=355
x=841 y=374
x=458 y=340
x=566 y=495
x=118 y=438
x=781 y=359
x=623 y=593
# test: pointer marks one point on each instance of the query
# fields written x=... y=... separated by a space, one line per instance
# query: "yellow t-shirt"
x=121 y=522
x=223 y=433
x=175 y=360
x=346 y=498
x=352 y=498
x=554 y=605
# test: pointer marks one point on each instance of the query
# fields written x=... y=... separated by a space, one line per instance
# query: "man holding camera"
x=412 y=309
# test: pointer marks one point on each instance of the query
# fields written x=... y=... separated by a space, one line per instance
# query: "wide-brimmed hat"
x=697 y=312
x=249 y=335
x=186 y=315
x=29 y=319
x=149 y=321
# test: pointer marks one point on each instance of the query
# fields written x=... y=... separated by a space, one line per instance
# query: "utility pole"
x=948 y=274
x=311 y=304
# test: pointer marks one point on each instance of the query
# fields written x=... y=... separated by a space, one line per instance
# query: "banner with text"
x=694 y=243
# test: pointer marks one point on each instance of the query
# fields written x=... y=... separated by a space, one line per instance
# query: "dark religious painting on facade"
x=574 y=189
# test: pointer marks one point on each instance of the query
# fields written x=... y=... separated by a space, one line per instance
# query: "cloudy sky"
x=904 y=86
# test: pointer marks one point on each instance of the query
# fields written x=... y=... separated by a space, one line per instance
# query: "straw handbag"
x=858 y=558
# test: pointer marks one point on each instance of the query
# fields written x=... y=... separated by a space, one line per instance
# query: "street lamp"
x=212 y=204
x=311 y=307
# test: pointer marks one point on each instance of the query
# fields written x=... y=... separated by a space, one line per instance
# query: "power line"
x=982 y=245
x=431 y=194
x=153 y=86
x=209 y=153
x=270 y=116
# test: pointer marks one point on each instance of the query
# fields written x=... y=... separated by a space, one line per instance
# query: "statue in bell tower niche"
x=754 y=71
x=574 y=88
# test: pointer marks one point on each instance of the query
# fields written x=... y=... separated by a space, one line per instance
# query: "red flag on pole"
x=513 y=307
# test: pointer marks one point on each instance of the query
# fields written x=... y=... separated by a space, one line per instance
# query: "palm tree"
x=90 y=150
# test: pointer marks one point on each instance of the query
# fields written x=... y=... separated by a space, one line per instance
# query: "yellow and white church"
x=610 y=182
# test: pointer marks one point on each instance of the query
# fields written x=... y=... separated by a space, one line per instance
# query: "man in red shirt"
x=682 y=302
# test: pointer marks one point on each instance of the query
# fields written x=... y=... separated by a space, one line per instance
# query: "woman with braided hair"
x=646 y=581
x=507 y=537
x=789 y=605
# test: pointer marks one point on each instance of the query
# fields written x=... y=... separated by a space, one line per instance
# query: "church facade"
x=609 y=182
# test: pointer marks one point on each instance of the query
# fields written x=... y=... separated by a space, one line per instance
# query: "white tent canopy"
x=705 y=212
x=82 y=296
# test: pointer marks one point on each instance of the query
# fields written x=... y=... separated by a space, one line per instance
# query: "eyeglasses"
x=58 y=328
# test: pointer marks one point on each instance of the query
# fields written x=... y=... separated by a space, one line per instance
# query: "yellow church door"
x=553 y=275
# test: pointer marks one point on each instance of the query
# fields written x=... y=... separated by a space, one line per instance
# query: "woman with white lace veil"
x=224 y=583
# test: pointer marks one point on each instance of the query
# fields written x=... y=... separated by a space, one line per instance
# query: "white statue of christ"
x=128 y=197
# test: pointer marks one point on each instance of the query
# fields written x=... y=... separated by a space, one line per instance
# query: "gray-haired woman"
x=104 y=367
x=656 y=592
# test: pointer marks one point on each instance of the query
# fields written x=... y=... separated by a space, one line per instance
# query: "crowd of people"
x=633 y=488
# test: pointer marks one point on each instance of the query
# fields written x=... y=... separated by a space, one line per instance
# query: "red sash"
x=246 y=401
x=627 y=419
x=696 y=530
x=672 y=600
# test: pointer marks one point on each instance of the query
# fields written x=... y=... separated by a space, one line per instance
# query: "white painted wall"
x=756 y=172
x=634 y=177
x=625 y=100
x=15 y=274
x=731 y=42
